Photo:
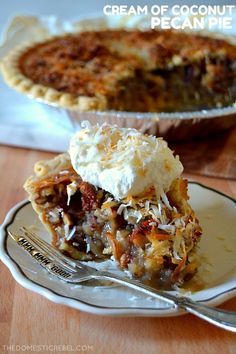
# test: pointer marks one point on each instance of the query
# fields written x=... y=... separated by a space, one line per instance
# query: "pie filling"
x=152 y=71
x=188 y=88
x=154 y=240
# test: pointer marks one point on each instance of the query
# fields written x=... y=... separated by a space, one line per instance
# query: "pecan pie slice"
x=152 y=236
x=138 y=71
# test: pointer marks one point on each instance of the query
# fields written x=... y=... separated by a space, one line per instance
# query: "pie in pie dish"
x=119 y=193
x=120 y=70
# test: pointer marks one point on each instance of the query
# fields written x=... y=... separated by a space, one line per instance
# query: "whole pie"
x=119 y=194
x=137 y=71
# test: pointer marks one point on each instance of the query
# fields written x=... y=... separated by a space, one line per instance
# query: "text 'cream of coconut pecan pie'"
x=119 y=193
x=138 y=71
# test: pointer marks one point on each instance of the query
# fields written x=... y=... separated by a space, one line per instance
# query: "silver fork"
x=76 y=272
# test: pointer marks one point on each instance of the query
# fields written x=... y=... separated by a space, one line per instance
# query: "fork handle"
x=218 y=317
x=221 y=318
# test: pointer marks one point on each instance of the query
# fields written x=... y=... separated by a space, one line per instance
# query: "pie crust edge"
x=18 y=81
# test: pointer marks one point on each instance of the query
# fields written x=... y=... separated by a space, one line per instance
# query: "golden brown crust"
x=44 y=173
x=15 y=79
x=84 y=71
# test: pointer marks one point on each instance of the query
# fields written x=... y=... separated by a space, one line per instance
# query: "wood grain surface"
x=31 y=323
x=213 y=157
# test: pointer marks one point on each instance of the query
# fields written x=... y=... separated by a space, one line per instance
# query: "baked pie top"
x=146 y=71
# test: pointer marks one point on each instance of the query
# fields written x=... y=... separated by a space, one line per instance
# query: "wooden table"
x=30 y=319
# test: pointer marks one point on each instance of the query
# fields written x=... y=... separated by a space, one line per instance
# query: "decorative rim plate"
x=217 y=214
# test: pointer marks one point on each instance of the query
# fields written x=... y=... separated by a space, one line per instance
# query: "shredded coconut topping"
x=71 y=190
x=123 y=161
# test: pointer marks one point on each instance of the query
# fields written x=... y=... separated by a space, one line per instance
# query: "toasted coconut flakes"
x=168 y=228
x=147 y=205
x=64 y=172
x=71 y=190
x=179 y=222
x=175 y=210
x=54 y=215
x=153 y=215
x=156 y=211
x=131 y=213
x=122 y=207
x=165 y=200
x=153 y=223
x=69 y=234
x=88 y=248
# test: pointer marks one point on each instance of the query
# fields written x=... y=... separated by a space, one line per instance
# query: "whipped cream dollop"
x=123 y=161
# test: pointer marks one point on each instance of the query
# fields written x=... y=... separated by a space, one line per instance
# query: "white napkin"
x=25 y=123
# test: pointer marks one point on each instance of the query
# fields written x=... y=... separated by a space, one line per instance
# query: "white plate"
x=217 y=214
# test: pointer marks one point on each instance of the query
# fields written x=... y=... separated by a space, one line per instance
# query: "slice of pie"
x=137 y=71
x=120 y=194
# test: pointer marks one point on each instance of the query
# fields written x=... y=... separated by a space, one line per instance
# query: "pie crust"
x=124 y=70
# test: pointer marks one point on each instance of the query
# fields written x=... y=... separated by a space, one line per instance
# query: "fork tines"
x=50 y=250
